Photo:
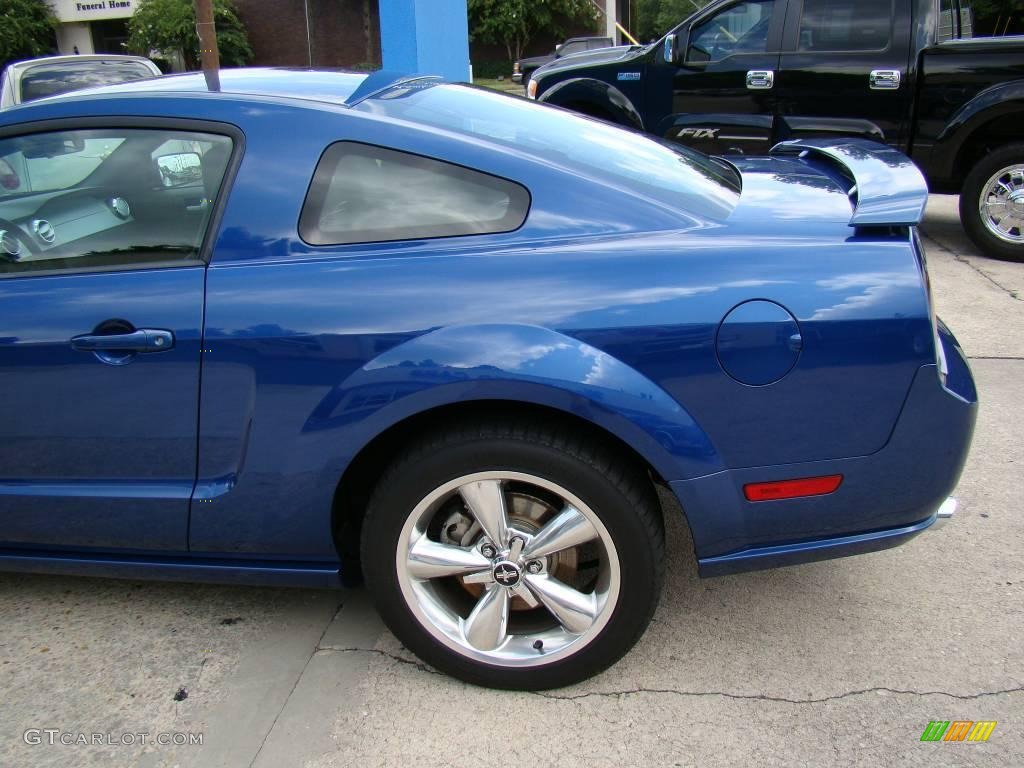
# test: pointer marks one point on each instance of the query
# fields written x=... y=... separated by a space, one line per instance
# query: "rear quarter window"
x=363 y=194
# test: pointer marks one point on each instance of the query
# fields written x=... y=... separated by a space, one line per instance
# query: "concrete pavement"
x=835 y=663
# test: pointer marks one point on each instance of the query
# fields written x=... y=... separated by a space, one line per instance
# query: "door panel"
x=723 y=92
x=825 y=83
x=94 y=454
x=101 y=317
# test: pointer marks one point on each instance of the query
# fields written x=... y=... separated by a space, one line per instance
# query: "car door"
x=101 y=310
x=723 y=96
x=843 y=70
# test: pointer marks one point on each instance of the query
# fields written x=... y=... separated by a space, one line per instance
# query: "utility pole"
x=611 y=20
x=209 y=54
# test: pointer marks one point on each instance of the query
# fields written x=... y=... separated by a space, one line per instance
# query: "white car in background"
x=38 y=78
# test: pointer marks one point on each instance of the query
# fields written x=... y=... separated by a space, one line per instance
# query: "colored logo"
x=958 y=730
x=628 y=76
x=506 y=574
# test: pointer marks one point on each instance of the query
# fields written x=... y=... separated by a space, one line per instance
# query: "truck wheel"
x=992 y=203
x=514 y=555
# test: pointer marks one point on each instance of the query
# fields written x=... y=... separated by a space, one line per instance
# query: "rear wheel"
x=992 y=203
x=514 y=557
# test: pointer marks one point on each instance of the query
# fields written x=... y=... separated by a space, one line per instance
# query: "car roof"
x=331 y=86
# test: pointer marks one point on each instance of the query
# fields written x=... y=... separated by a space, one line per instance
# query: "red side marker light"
x=792 y=489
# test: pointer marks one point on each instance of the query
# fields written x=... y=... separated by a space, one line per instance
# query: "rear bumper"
x=810 y=551
x=885 y=498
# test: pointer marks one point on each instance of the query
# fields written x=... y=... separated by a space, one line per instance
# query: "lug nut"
x=515 y=546
x=534 y=566
x=488 y=550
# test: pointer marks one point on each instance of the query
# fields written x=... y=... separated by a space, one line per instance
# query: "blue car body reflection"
x=606 y=305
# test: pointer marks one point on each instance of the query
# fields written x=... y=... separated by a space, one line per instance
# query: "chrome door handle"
x=884 y=79
x=142 y=340
x=760 y=79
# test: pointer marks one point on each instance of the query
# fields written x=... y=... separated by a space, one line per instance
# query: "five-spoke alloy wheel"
x=511 y=561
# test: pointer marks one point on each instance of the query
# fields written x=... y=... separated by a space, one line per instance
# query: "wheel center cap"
x=507 y=573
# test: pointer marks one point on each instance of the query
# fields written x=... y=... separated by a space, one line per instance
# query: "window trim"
x=312 y=204
x=205 y=254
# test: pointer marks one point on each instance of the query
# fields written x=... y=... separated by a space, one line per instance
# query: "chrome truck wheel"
x=1001 y=204
x=992 y=203
x=511 y=562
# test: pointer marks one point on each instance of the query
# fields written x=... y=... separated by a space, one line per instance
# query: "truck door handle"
x=884 y=79
x=760 y=79
x=142 y=340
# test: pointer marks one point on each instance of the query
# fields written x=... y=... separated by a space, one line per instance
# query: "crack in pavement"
x=994 y=357
x=697 y=694
x=394 y=657
x=782 y=699
x=957 y=257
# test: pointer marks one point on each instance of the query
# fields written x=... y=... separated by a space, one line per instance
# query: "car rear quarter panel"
x=308 y=360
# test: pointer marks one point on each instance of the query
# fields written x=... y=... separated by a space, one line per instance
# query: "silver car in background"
x=38 y=78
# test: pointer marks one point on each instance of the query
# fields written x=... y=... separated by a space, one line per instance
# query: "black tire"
x=616 y=490
x=971 y=195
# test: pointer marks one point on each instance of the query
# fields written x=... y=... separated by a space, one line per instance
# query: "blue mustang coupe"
x=318 y=326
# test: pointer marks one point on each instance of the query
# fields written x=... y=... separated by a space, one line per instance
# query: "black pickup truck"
x=523 y=69
x=740 y=75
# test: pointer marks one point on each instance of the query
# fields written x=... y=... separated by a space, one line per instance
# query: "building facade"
x=92 y=26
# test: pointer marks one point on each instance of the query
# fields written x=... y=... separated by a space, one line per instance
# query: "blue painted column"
x=428 y=37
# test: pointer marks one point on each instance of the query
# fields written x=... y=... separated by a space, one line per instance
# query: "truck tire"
x=992 y=203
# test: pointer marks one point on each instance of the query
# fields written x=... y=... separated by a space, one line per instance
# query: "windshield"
x=680 y=177
x=52 y=79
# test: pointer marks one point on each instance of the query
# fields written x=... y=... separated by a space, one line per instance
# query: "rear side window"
x=845 y=25
x=363 y=194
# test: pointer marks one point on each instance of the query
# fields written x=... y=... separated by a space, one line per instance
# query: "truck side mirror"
x=671 y=48
x=558 y=50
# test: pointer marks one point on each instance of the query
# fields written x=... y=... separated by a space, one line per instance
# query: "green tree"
x=998 y=17
x=514 y=23
x=170 y=25
x=27 y=29
x=656 y=17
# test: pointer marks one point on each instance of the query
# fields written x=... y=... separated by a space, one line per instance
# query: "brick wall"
x=346 y=33
x=342 y=33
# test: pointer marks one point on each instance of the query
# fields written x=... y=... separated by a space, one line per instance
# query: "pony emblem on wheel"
x=507 y=574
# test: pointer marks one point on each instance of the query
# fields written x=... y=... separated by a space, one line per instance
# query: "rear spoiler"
x=888 y=189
